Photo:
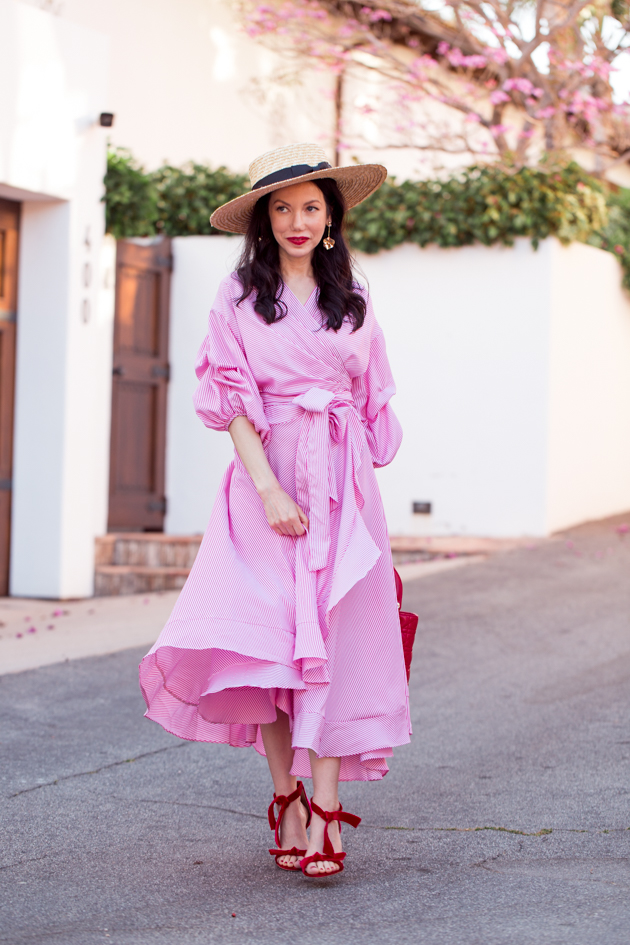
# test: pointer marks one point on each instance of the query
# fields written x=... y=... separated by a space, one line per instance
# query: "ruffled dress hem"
x=366 y=743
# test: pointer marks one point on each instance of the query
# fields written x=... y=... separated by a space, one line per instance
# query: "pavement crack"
x=483 y=864
x=82 y=774
x=543 y=832
x=35 y=859
x=224 y=810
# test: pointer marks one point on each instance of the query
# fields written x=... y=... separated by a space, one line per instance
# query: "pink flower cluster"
x=544 y=113
x=267 y=19
x=523 y=85
x=458 y=60
x=581 y=105
x=375 y=15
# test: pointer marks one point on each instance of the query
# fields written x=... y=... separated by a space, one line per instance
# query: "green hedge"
x=173 y=201
x=480 y=205
x=483 y=204
x=615 y=235
x=130 y=197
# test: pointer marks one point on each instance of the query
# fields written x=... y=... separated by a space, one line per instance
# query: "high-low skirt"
x=306 y=625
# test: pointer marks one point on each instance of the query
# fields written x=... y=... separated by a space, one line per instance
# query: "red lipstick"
x=298 y=240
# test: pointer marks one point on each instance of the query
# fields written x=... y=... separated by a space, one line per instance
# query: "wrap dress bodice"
x=272 y=618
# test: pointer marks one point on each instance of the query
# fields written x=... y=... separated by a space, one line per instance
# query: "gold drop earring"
x=328 y=241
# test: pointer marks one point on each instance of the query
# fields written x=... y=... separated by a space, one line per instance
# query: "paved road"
x=506 y=822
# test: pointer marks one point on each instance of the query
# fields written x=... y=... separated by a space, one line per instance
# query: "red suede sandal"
x=274 y=822
x=329 y=852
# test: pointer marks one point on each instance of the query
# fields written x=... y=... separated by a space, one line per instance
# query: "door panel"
x=9 y=236
x=137 y=501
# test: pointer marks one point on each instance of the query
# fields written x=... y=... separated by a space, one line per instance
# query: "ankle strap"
x=283 y=801
x=333 y=815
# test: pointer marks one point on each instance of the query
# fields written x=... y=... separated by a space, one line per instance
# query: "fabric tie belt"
x=327 y=417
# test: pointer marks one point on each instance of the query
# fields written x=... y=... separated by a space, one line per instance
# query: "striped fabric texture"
x=308 y=625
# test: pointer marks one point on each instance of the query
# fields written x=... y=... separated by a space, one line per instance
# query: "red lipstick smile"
x=298 y=240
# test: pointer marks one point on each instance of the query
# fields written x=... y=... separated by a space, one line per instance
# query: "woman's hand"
x=284 y=515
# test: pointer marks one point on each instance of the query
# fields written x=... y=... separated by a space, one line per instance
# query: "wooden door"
x=138 y=439
x=9 y=236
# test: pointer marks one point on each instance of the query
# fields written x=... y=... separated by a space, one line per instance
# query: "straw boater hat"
x=296 y=164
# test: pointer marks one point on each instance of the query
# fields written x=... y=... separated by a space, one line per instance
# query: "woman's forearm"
x=249 y=447
x=285 y=517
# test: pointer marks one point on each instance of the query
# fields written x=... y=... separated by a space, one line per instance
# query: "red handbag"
x=408 y=625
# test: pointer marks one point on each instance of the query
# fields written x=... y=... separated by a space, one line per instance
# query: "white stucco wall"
x=187 y=84
x=53 y=76
x=588 y=474
x=513 y=375
x=466 y=331
x=196 y=458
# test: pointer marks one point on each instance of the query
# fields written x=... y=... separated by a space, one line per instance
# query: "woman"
x=286 y=635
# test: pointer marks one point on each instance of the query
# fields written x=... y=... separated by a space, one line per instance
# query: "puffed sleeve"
x=372 y=392
x=227 y=388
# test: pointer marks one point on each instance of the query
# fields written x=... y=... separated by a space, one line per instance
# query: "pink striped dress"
x=309 y=625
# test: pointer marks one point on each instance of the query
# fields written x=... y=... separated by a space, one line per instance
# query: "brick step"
x=111 y=580
x=141 y=562
x=147 y=549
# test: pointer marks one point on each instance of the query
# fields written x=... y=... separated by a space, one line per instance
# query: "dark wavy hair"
x=259 y=267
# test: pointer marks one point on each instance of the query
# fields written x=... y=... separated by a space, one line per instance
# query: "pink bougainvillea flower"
x=57 y=613
x=498 y=97
x=377 y=15
x=50 y=626
x=19 y=635
x=519 y=84
x=619 y=249
x=496 y=130
x=499 y=56
x=458 y=59
x=623 y=529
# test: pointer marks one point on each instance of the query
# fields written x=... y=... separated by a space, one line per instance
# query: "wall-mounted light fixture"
x=421 y=508
x=106 y=119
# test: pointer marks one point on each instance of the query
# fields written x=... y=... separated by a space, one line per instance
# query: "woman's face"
x=299 y=216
